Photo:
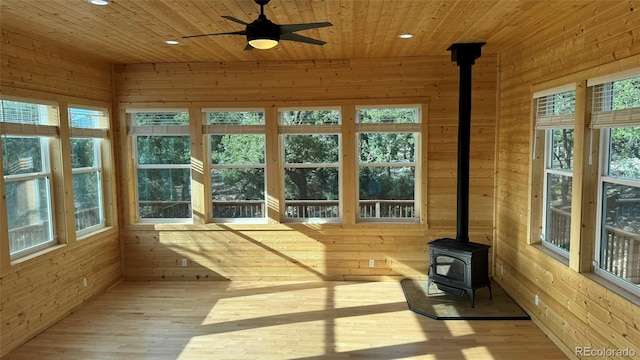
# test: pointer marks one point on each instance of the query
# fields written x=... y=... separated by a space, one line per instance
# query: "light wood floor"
x=274 y=320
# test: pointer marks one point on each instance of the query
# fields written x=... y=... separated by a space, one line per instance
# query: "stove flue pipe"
x=464 y=55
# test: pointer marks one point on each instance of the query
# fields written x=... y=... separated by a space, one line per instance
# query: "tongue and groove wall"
x=282 y=251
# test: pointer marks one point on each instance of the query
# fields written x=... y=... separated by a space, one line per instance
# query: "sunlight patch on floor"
x=459 y=328
x=477 y=353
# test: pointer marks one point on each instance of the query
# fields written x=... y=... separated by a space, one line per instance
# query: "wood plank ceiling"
x=134 y=31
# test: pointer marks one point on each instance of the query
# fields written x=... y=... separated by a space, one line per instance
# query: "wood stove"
x=457 y=265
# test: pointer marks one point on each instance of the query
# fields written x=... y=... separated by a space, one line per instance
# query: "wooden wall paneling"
x=577 y=257
x=33 y=65
x=349 y=166
x=315 y=251
x=128 y=191
x=62 y=188
x=273 y=165
x=576 y=309
x=38 y=290
x=200 y=197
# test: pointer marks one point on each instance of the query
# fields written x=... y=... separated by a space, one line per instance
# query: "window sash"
x=609 y=240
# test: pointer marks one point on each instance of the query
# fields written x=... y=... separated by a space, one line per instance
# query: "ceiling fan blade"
x=231 y=18
x=300 y=38
x=242 y=32
x=248 y=47
x=290 y=28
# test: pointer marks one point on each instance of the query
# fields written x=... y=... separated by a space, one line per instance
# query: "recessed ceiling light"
x=100 y=2
x=405 y=36
x=172 y=42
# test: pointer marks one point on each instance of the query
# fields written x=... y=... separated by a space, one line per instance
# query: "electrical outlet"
x=372 y=263
x=85 y=282
x=501 y=269
x=184 y=262
x=536 y=300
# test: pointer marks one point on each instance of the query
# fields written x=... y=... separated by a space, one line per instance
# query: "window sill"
x=551 y=253
x=36 y=254
x=103 y=231
x=614 y=288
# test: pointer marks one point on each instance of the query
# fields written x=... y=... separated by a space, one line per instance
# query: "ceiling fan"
x=264 y=34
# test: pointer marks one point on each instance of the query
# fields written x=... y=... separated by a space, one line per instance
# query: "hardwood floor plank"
x=274 y=320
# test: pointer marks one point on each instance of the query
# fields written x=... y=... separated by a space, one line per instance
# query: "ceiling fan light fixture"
x=263 y=44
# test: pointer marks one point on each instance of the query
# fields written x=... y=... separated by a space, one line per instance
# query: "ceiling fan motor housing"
x=263 y=28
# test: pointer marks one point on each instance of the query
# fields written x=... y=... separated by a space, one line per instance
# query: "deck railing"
x=620 y=248
x=238 y=209
x=165 y=209
x=621 y=254
x=401 y=209
x=560 y=227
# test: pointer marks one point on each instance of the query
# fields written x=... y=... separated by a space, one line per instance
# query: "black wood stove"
x=457 y=265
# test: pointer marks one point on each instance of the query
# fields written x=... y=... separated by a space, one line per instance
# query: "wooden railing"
x=621 y=254
x=300 y=209
x=620 y=248
x=238 y=209
x=28 y=236
x=560 y=226
x=401 y=209
x=165 y=209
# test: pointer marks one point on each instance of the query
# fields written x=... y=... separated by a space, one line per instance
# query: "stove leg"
x=473 y=298
x=429 y=282
x=490 y=295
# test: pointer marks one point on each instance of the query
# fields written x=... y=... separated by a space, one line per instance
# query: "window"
x=237 y=161
x=555 y=116
x=162 y=156
x=311 y=145
x=388 y=140
x=616 y=112
x=27 y=131
x=88 y=129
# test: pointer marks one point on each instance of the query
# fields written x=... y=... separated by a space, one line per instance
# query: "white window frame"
x=224 y=129
x=334 y=129
x=97 y=134
x=45 y=134
x=372 y=128
x=548 y=153
x=548 y=122
x=604 y=119
x=156 y=130
x=602 y=179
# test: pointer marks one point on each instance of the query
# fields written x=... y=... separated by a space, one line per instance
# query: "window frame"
x=546 y=207
x=136 y=131
x=332 y=129
x=99 y=134
x=210 y=130
x=47 y=135
x=399 y=128
x=604 y=119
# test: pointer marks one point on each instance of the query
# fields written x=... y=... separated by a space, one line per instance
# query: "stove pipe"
x=464 y=55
